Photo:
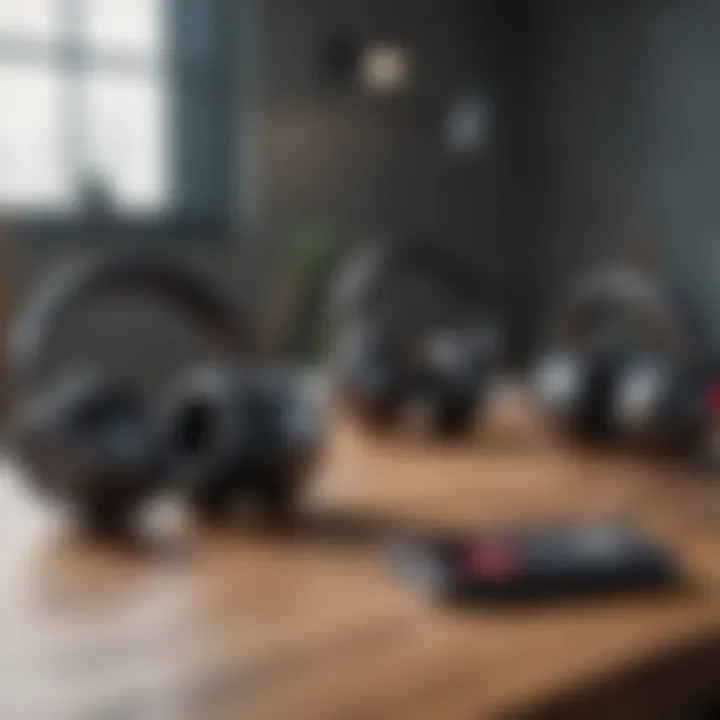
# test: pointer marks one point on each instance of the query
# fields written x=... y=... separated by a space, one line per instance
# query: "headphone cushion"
x=201 y=422
x=84 y=426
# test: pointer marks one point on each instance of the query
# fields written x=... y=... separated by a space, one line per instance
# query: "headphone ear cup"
x=369 y=379
x=660 y=406
x=86 y=440
x=204 y=430
x=240 y=435
x=559 y=384
x=636 y=398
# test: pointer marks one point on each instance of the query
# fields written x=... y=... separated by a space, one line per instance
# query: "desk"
x=223 y=625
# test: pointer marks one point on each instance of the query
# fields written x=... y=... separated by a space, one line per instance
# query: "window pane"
x=33 y=172
x=126 y=136
x=132 y=24
x=27 y=17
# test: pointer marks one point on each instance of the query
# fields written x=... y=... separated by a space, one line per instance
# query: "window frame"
x=203 y=210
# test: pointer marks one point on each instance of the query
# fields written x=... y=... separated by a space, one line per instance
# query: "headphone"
x=622 y=365
x=99 y=448
x=381 y=368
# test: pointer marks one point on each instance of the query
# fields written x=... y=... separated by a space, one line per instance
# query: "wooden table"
x=225 y=624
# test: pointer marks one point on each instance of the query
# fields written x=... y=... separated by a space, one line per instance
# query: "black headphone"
x=622 y=364
x=381 y=367
x=90 y=441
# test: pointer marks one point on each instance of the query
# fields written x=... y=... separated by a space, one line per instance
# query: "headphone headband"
x=73 y=286
x=620 y=292
x=442 y=262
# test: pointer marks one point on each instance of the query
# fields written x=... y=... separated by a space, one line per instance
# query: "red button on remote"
x=492 y=562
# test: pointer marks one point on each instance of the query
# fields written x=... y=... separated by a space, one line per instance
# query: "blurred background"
x=260 y=138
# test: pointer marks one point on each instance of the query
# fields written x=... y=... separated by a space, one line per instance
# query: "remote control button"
x=493 y=562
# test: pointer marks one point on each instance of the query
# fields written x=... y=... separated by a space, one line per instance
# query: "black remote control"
x=530 y=563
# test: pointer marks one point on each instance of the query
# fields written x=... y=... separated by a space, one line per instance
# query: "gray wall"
x=368 y=163
x=628 y=103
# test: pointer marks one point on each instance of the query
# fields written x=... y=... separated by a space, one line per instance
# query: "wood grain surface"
x=312 y=623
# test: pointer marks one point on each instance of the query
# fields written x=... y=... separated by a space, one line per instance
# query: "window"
x=100 y=112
